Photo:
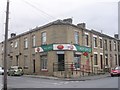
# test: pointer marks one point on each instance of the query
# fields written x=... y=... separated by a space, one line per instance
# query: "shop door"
x=61 y=65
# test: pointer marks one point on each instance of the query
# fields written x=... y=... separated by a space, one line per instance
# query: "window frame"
x=43 y=38
x=86 y=39
x=33 y=40
x=101 y=43
x=44 y=63
x=95 y=42
x=76 y=37
x=25 y=43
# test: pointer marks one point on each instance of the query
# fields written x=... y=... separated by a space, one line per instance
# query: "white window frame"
x=101 y=42
x=43 y=37
x=16 y=44
x=25 y=43
x=76 y=37
x=95 y=42
x=87 y=39
x=105 y=44
x=44 y=63
x=11 y=44
x=115 y=45
x=33 y=41
x=110 y=45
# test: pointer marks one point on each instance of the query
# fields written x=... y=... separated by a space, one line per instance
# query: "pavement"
x=82 y=78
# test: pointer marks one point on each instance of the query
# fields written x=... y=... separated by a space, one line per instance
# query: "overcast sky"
x=100 y=15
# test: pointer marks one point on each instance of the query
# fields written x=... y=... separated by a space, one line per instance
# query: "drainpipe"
x=91 y=51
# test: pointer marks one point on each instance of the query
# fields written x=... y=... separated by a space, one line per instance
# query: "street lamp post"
x=5 y=47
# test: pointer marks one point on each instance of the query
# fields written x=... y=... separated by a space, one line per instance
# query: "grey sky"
x=97 y=14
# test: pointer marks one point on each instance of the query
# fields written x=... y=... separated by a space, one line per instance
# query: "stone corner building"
x=62 y=49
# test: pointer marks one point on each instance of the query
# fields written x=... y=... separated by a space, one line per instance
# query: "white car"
x=1 y=71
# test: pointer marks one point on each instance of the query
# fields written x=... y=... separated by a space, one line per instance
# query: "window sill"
x=44 y=70
x=25 y=67
x=96 y=65
x=33 y=46
x=25 y=48
x=96 y=47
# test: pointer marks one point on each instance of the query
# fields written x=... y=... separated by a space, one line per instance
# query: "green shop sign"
x=47 y=47
x=50 y=47
x=83 y=48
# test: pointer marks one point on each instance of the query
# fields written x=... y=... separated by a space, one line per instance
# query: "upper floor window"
x=11 y=44
x=115 y=45
x=118 y=46
x=76 y=36
x=33 y=41
x=86 y=40
x=2 y=48
x=105 y=43
x=110 y=45
x=25 y=43
x=16 y=44
x=43 y=39
x=101 y=45
x=95 y=41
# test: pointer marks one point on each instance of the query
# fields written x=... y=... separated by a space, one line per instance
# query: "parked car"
x=15 y=71
x=1 y=71
x=115 y=71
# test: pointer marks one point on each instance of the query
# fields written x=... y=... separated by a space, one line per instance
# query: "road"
x=30 y=82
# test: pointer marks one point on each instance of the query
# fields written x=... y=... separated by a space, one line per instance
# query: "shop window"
x=43 y=63
x=77 y=62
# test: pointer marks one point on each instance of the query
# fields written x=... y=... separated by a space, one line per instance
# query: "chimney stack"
x=13 y=35
x=82 y=25
x=68 y=20
x=116 y=36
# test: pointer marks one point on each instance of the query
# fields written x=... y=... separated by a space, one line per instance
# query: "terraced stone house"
x=62 y=49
